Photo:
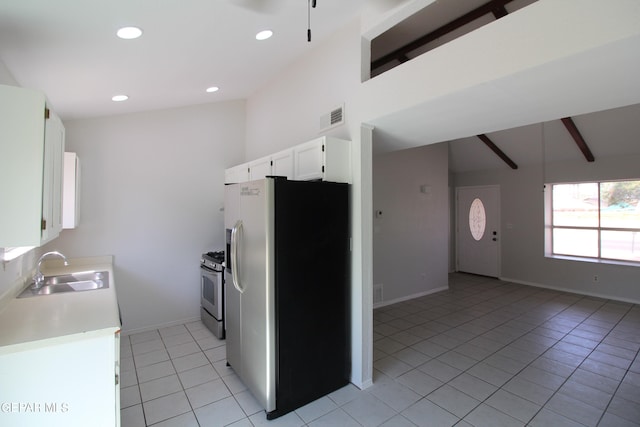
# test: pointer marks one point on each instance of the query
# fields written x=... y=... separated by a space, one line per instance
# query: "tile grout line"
x=568 y=307
x=627 y=370
x=576 y=368
x=490 y=354
x=524 y=322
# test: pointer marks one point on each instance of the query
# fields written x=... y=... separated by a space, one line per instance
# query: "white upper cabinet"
x=279 y=164
x=239 y=173
x=260 y=168
x=282 y=164
x=71 y=192
x=31 y=161
x=52 y=178
x=326 y=158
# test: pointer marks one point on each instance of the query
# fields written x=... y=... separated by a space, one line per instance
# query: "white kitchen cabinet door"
x=31 y=150
x=235 y=174
x=325 y=158
x=258 y=169
x=71 y=191
x=52 y=178
x=279 y=164
x=337 y=160
x=68 y=384
x=282 y=164
x=309 y=160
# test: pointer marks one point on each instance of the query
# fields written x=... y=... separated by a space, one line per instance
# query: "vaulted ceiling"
x=597 y=80
x=69 y=48
x=608 y=133
x=435 y=26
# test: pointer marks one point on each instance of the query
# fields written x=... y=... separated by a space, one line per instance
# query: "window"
x=477 y=219
x=598 y=220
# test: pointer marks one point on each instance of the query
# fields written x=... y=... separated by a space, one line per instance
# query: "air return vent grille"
x=332 y=119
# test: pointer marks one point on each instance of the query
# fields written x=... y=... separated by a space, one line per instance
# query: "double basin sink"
x=74 y=282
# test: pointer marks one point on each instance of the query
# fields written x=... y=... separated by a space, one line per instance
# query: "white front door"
x=477 y=230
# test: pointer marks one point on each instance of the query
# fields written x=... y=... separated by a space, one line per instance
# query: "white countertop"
x=51 y=319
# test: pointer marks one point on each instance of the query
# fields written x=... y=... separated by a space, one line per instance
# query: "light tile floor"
x=484 y=353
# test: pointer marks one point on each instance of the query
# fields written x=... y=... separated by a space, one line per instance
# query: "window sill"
x=594 y=260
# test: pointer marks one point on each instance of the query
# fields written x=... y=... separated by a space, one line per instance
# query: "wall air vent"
x=332 y=119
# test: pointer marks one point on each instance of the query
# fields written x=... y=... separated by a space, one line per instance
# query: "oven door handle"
x=236 y=236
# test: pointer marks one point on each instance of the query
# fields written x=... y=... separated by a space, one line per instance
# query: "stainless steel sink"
x=75 y=282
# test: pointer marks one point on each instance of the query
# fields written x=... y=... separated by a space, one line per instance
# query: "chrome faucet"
x=38 y=278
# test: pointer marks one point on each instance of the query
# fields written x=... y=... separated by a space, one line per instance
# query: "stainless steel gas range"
x=212 y=292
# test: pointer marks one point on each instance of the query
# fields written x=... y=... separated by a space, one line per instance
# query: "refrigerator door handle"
x=236 y=234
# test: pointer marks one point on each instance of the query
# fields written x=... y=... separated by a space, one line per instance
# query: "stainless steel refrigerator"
x=287 y=289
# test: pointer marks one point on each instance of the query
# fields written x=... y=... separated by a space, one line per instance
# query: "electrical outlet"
x=595 y=278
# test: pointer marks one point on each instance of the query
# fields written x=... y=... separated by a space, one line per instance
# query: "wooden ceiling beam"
x=577 y=137
x=496 y=7
x=484 y=138
x=500 y=11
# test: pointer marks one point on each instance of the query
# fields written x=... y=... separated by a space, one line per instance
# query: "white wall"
x=411 y=236
x=287 y=110
x=522 y=245
x=151 y=194
x=548 y=60
x=6 y=78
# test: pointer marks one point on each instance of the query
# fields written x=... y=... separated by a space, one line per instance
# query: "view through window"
x=596 y=220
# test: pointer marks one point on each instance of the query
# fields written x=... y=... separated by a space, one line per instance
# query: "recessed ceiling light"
x=263 y=35
x=119 y=98
x=213 y=89
x=129 y=33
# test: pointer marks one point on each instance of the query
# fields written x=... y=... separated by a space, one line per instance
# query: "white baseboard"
x=408 y=297
x=571 y=291
x=160 y=326
x=366 y=384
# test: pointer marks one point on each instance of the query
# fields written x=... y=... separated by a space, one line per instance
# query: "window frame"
x=550 y=227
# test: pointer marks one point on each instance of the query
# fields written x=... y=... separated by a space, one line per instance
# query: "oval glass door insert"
x=477 y=219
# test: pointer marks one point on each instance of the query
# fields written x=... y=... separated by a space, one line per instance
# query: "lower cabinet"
x=72 y=382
